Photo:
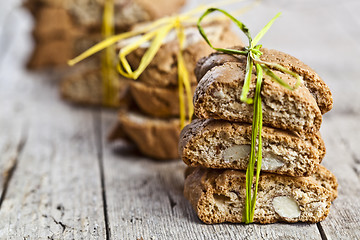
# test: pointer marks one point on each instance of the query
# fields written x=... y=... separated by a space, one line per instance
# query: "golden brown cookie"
x=88 y=13
x=221 y=144
x=219 y=196
x=84 y=86
x=317 y=87
x=218 y=96
x=54 y=53
x=55 y=23
x=155 y=137
x=61 y=25
x=157 y=102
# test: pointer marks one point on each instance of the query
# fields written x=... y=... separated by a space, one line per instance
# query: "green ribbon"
x=253 y=53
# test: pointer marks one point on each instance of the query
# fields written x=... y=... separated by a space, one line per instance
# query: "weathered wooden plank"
x=341 y=135
x=12 y=138
x=145 y=200
x=55 y=191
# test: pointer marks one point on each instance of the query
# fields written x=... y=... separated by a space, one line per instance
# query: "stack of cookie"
x=293 y=186
x=66 y=28
x=155 y=126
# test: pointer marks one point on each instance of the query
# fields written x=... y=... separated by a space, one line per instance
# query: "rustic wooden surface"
x=59 y=179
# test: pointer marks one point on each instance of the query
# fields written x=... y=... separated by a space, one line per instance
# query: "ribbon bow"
x=156 y=33
x=253 y=53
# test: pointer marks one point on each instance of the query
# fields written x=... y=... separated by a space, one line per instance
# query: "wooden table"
x=60 y=179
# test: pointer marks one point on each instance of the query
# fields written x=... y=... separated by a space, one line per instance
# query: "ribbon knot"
x=176 y=21
x=255 y=52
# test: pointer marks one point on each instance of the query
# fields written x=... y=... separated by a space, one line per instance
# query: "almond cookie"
x=155 y=137
x=317 y=87
x=51 y=53
x=157 y=102
x=88 y=13
x=221 y=144
x=162 y=71
x=84 y=86
x=60 y=23
x=54 y=23
x=219 y=196
x=218 y=96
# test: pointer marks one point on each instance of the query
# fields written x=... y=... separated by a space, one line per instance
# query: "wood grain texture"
x=11 y=145
x=55 y=190
x=341 y=136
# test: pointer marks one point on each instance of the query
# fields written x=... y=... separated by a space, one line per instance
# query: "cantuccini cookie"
x=157 y=102
x=88 y=13
x=218 y=96
x=219 y=196
x=154 y=137
x=221 y=144
x=54 y=23
x=57 y=48
x=84 y=86
x=162 y=71
x=52 y=53
x=317 y=87
x=60 y=23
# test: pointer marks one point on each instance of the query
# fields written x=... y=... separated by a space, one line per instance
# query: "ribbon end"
x=71 y=63
x=246 y=100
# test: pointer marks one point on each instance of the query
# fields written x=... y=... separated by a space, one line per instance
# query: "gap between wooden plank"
x=98 y=135
x=341 y=137
x=55 y=190
x=322 y=232
x=7 y=175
